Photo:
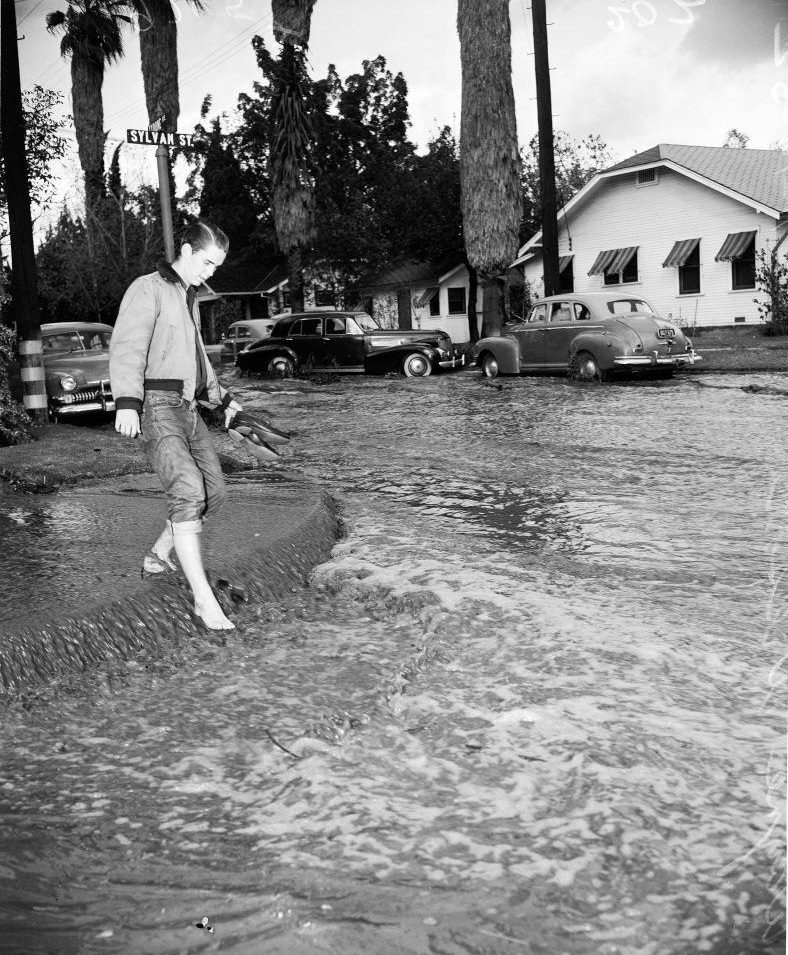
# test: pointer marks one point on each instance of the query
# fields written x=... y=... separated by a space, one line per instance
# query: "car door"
x=530 y=336
x=306 y=337
x=343 y=343
x=559 y=332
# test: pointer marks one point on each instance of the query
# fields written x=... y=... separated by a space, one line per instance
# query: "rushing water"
x=533 y=703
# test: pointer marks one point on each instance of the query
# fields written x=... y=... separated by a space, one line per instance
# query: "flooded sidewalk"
x=71 y=561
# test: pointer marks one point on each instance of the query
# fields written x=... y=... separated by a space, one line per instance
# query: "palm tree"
x=489 y=155
x=92 y=38
x=292 y=188
x=159 y=55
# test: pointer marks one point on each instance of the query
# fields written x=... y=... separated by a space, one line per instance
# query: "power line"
x=199 y=67
x=29 y=13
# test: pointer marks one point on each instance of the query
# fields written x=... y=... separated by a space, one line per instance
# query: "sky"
x=634 y=72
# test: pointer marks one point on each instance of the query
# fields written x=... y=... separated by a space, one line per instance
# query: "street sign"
x=149 y=137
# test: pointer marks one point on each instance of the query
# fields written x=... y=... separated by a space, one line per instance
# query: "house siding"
x=384 y=307
x=619 y=213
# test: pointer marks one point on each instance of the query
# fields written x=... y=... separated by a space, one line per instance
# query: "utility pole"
x=544 y=113
x=17 y=187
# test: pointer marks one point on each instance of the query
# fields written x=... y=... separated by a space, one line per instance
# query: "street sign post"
x=155 y=135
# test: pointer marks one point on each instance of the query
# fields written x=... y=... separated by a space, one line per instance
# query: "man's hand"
x=230 y=412
x=127 y=422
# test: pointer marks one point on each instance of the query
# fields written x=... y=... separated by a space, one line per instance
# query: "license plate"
x=666 y=332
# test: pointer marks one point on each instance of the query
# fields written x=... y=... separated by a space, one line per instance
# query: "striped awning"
x=680 y=252
x=622 y=259
x=602 y=261
x=564 y=261
x=613 y=260
x=734 y=246
x=425 y=296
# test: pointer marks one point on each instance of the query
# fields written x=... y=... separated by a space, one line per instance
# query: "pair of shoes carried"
x=153 y=565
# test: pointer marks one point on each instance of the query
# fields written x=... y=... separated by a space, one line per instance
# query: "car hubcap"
x=417 y=366
x=490 y=367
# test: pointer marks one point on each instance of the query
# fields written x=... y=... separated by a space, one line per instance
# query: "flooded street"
x=534 y=703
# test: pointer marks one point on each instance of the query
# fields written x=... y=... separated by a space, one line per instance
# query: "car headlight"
x=68 y=383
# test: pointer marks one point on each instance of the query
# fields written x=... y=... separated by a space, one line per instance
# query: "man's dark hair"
x=200 y=234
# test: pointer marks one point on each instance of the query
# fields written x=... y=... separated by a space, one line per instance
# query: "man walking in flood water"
x=159 y=371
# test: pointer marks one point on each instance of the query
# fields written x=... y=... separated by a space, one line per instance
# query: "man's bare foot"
x=212 y=615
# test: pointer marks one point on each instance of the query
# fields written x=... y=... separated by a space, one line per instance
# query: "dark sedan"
x=347 y=342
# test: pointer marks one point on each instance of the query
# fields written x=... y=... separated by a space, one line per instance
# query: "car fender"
x=263 y=353
x=506 y=352
x=391 y=358
x=600 y=346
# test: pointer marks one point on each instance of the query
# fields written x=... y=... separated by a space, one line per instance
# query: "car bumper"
x=456 y=362
x=655 y=361
x=94 y=397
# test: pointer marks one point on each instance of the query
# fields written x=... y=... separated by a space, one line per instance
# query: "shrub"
x=14 y=420
x=771 y=278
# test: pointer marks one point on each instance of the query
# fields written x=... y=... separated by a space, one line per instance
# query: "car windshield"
x=83 y=340
x=625 y=306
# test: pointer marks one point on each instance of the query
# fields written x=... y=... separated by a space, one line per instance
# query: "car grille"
x=94 y=391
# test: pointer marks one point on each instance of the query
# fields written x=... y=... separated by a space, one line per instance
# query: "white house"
x=421 y=295
x=680 y=225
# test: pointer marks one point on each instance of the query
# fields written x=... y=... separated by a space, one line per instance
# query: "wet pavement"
x=74 y=593
x=533 y=702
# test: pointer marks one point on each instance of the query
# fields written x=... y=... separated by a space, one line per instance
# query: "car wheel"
x=280 y=367
x=416 y=366
x=489 y=365
x=584 y=367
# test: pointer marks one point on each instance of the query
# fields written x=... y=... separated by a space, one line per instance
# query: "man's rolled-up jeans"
x=179 y=448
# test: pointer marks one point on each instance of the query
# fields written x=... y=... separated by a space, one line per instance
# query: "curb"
x=155 y=614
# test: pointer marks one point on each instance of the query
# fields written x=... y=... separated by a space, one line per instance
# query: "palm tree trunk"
x=159 y=57
x=87 y=78
x=295 y=279
x=292 y=192
x=489 y=153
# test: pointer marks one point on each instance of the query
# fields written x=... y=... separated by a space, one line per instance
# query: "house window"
x=435 y=304
x=457 y=304
x=325 y=298
x=619 y=276
x=743 y=267
x=689 y=273
x=647 y=177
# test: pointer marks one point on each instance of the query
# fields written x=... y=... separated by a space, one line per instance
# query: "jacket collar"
x=168 y=273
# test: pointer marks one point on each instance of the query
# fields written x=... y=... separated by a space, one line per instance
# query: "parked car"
x=596 y=335
x=347 y=342
x=241 y=334
x=76 y=367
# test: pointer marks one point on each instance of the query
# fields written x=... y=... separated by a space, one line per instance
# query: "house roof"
x=404 y=272
x=273 y=278
x=759 y=174
x=757 y=177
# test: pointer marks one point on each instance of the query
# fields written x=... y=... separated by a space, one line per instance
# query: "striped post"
x=34 y=392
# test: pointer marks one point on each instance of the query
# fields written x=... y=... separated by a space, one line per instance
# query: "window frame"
x=464 y=292
x=749 y=263
x=689 y=268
